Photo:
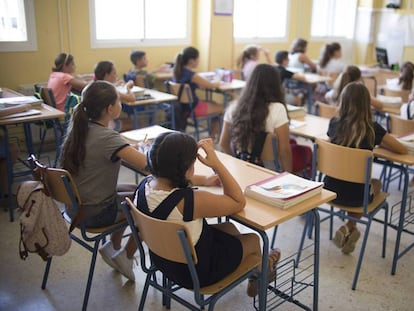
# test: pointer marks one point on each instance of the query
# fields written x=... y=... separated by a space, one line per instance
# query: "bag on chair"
x=42 y=227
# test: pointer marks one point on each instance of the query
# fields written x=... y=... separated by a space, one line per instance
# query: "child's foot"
x=351 y=240
x=107 y=251
x=125 y=264
x=340 y=236
x=253 y=284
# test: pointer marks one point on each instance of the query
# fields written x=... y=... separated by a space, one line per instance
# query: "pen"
x=145 y=138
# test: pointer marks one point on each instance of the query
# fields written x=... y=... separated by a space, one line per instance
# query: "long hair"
x=351 y=74
x=103 y=68
x=406 y=76
x=355 y=117
x=171 y=155
x=182 y=60
x=263 y=87
x=62 y=60
x=328 y=53
x=248 y=52
x=95 y=99
x=298 y=46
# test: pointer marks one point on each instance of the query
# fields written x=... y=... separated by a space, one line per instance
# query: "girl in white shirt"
x=330 y=61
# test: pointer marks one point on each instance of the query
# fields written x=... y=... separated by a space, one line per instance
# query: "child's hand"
x=129 y=85
x=211 y=159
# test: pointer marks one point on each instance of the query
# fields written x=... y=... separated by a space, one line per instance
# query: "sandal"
x=351 y=240
x=341 y=236
x=273 y=259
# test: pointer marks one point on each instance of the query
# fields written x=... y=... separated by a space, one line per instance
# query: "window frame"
x=31 y=43
x=255 y=40
x=332 y=37
x=127 y=43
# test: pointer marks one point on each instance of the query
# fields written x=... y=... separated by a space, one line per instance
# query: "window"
x=333 y=18
x=264 y=20
x=17 y=26
x=139 y=22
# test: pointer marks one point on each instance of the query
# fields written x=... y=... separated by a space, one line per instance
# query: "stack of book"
x=295 y=112
x=283 y=190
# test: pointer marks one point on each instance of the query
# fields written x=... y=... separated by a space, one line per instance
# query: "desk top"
x=46 y=113
x=406 y=159
x=313 y=127
x=157 y=97
x=145 y=133
x=313 y=78
x=9 y=93
x=258 y=214
x=233 y=85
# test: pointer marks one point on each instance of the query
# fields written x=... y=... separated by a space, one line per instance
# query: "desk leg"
x=172 y=112
x=310 y=97
x=404 y=170
x=28 y=137
x=316 y=260
x=264 y=278
x=134 y=109
x=9 y=169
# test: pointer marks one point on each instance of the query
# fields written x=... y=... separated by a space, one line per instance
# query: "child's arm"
x=285 y=153
x=78 y=84
x=204 y=83
x=391 y=143
x=306 y=60
x=376 y=103
x=232 y=200
x=225 y=139
x=299 y=77
x=133 y=157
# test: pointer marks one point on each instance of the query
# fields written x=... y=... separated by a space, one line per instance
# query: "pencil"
x=145 y=138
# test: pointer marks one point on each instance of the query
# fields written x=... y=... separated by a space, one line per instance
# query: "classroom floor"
x=377 y=289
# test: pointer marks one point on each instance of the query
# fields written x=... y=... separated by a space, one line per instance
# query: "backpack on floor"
x=42 y=227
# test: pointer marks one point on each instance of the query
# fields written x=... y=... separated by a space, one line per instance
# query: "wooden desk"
x=260 y=216
x=157 y=98
x=314 y=127
x=224 y=89
x=401 y=162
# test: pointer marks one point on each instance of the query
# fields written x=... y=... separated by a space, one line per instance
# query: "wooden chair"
x=185 y=99
x=62 y=188
x=352 y=165
x=325 y=110
x=397 y=93
x=171 y=240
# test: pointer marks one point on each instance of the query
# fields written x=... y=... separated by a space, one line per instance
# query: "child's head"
x=250 y=52
x=188 y=57
x=172 y=156
x=355 y=115
x=331 y=51
x=351 y=74
x=139 y=59
x=105 y=70
x=407 y=76
x=64 y=63
x=282 y=58
x=299 y=46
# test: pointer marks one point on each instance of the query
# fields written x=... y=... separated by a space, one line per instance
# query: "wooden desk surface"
x=147 y=133
x=157 y=97
x=313 y=78
x=9 y=93
x=162 y=76
x=406 y=159
x=258 y=214
x=233 y=85
x=314 y=126
x=47 y=113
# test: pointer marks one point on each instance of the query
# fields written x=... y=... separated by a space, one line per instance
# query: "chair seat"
x=95 y=230
x=248 y=264
x=378 y=200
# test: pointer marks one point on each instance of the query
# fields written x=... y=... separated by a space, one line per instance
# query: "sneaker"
x=350 y=242
x=125 y=265
x=107 y=251
x=341 y=235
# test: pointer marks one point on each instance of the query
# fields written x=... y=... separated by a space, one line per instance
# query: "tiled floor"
x=377 y=288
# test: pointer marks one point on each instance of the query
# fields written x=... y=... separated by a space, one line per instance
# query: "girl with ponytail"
x=330 y=62
x=92 y=153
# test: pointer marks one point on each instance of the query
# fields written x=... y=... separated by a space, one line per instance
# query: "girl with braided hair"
x=221 y=247
x=92 y=153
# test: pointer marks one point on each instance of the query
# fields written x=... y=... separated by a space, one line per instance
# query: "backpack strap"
x=165 y=208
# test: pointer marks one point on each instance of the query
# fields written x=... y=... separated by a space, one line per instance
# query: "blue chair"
x=171 y=241
x=352 y=165
x=184 y=110
x=62 y=188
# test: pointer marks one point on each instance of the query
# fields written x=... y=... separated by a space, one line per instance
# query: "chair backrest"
x=270 y=153
x=161 y=236
x=397 y=93
x=141 y=81
x=186 y=97
x=400 y=127
x=326 y=111
x=47 y=95
x=344 y=163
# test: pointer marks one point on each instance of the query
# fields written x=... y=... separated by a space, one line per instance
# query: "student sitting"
x=92 y=153
x=248 y=60
x=140 y=61
x=298 y=58
x=220 y=247
x=184 y=73
x=354 y=127
x=61 y=80
x=259 y=110
x=330 y=61
x=405 y=80
x=351 y=74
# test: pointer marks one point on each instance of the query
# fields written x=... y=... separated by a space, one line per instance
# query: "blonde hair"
x=248 y=53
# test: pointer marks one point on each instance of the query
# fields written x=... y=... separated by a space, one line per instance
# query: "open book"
x=295 y=112
x=283 y=190
x=147 y=134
